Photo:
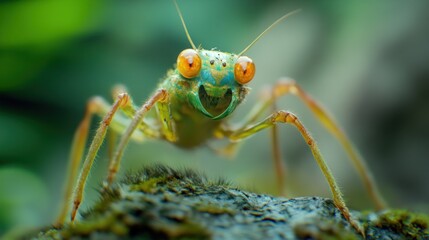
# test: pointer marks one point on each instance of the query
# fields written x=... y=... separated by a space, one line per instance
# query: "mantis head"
x=216 y=80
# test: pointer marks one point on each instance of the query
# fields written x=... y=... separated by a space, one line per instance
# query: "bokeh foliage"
x=365 y=61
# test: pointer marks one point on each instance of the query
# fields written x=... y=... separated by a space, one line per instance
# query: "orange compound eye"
x=189 y=63
x=244 y=70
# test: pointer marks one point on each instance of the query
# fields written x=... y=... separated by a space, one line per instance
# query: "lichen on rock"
x=162 y=203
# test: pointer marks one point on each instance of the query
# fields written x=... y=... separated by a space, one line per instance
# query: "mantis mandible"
x=190 y=107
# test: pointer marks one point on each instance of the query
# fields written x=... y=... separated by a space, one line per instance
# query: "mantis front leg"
x=284 y=87
x=99 y=138
x=289 y=118
x=159 y=96
x=96 y=105
x=93 y=149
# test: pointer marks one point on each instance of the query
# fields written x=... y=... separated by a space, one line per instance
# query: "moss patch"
x=162 y=203
x=404 y=223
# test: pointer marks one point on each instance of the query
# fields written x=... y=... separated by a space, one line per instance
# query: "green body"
x=189 y=111
x=198 y=105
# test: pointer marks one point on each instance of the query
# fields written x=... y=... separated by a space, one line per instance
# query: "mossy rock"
x=162 y=203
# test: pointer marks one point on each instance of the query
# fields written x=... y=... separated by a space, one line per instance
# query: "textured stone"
x=162 y=203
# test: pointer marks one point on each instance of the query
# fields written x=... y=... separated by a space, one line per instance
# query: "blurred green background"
x=366 y=61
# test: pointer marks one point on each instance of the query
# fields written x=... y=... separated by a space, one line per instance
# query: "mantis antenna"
x=184 y=25
x=266 y=30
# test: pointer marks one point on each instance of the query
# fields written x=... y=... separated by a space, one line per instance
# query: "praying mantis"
x=190 y=107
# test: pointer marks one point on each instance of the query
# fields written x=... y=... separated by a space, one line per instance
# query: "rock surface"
x=162 y=203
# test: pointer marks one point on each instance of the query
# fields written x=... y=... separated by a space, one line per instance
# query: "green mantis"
x=190 y=107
